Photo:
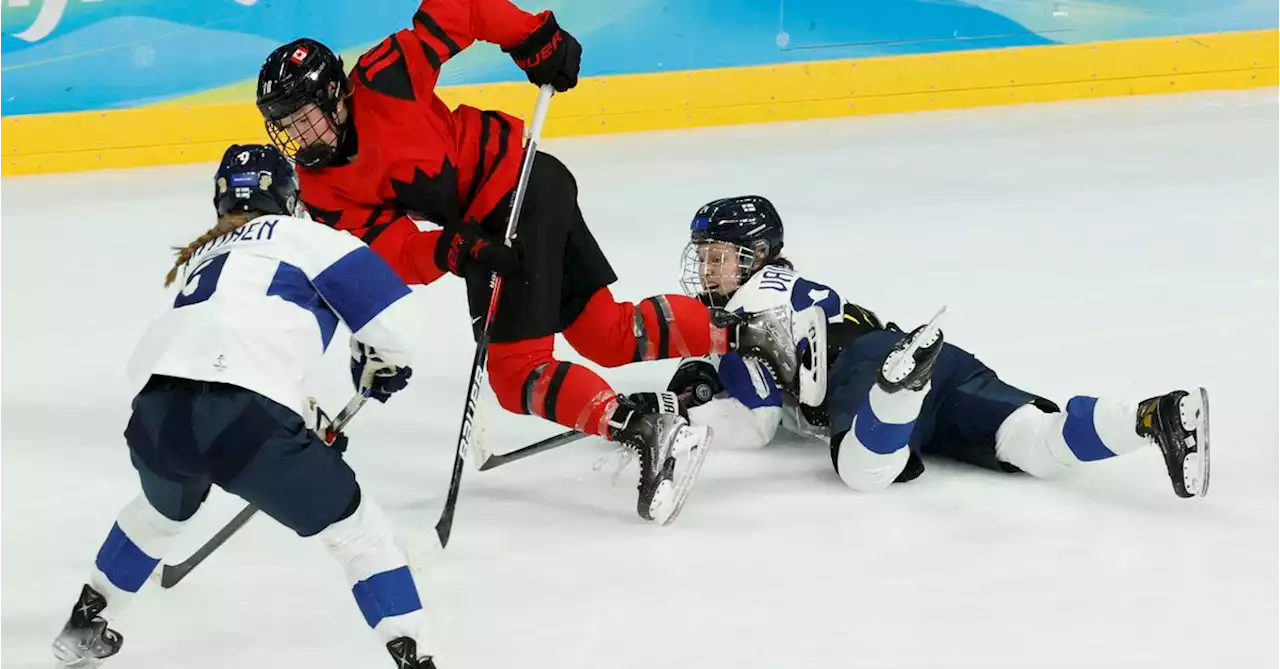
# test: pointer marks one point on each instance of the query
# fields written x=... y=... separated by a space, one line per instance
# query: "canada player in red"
x=378 y=149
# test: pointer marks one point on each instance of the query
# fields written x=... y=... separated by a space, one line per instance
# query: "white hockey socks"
x=137 y=542
x=1091 y=429
x=874 y=451
x=378 y=570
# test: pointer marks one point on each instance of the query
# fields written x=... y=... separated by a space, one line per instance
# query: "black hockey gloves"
x=369 y=372
x=549 y=55
x=461 y=245
x=695 y=382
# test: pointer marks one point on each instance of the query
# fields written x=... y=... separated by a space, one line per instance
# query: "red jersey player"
x=378 y=148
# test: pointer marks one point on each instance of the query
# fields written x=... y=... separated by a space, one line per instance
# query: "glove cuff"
x=539 y=45
x=452 y=251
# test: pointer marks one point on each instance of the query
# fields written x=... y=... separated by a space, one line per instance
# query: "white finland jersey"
x=752 y=408
x=258 y=306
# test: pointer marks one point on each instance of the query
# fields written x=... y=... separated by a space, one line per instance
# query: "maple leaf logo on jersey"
x=433 y=198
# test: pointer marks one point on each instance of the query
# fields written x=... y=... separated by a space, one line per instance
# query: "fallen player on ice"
x=882 y=398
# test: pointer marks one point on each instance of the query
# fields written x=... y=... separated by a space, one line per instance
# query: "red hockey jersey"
x=414 y=156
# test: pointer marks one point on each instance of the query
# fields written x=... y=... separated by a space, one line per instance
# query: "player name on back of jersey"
x=260 y=229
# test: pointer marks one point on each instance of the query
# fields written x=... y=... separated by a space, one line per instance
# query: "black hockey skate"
x=657 y=429
x=405 y=652
x=1179 y=424
x=909 y=366
x=86 y=641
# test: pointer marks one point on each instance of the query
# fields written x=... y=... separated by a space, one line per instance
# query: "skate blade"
x=1194 y=413
x=68 y=658
x=663 y=502
x=900 y=368
x=698 y=440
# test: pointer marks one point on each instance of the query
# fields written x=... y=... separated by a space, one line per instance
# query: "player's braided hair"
x=226 y=223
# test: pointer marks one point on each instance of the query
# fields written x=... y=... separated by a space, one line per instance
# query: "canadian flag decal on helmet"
x=299 y=55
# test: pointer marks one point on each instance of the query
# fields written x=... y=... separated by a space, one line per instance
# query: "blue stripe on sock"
x=878 y=436
x=125 y=565
x=386 y=594
x=1080 y=433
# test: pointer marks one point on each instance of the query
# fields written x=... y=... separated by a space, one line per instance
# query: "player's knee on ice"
x=1025 y=440
x=1044 y=441
x=874 y=451
x=957 y=416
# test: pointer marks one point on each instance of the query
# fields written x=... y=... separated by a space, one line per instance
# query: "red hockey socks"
x=528 y=380
x=612 y=333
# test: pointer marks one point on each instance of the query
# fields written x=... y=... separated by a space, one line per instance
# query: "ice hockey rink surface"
x=1118 y=247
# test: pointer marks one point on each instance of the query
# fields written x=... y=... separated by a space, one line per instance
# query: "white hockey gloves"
x=319 y=422
x=369 y=372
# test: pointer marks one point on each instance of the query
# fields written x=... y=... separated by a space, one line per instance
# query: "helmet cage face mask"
x=713 y=270
x=305 y=129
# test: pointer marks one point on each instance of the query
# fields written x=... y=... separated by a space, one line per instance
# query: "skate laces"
x=624 y=453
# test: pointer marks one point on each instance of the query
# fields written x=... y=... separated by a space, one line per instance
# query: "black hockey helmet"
x=255 y=177
x=735 y=234
x=301 y=73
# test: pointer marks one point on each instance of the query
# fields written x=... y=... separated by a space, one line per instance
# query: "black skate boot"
x=86 y=641
x=405 y=652
x=656 y=428
x=909 y=366
x=1179 y=424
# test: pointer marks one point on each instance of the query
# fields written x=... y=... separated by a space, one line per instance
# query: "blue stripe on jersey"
x=359 y=286
x=1081 y=434
x=386 y=594
x=291 y=285
x=878 y=436
x=737 y=381
x=125 y=565
x=806 y=293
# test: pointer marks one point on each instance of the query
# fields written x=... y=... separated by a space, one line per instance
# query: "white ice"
x=1121 y=247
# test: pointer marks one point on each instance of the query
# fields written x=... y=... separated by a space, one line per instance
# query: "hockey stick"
x=172 y=575
x=491 y=461
x=445 y=525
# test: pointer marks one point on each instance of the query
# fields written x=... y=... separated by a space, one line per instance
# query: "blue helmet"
x=254 y=177
x=745 y=220
x=729 y=240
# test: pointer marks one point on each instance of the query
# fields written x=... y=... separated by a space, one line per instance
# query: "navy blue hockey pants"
x=965 y=406
x=186 y=435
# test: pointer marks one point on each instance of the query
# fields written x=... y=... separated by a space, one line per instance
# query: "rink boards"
x=167 y=134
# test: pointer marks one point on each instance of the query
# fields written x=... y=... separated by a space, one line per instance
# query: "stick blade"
x=171 y=576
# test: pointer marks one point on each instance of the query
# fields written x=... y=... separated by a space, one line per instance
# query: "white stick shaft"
x=534 y=133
